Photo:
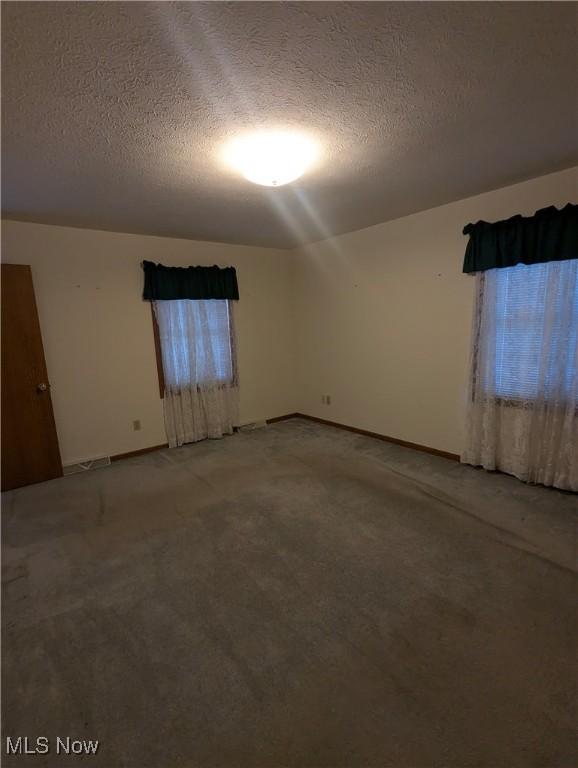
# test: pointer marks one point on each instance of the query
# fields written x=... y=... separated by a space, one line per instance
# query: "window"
x=531 y=314
x=195 y=344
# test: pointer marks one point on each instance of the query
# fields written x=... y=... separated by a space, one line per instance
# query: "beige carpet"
x=294 y=596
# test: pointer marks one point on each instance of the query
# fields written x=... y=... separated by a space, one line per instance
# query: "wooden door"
x=30 y=452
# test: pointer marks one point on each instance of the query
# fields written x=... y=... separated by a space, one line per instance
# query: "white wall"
x=384 y=316
x=98 y=339
x=379 y=319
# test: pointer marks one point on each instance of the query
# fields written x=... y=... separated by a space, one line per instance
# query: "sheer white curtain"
x=200 y=370
x=522 y=414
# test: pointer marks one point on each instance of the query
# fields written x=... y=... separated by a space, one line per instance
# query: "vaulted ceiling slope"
x=114 y=113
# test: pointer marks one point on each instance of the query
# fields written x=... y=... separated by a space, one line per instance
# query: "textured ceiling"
x=114 y=113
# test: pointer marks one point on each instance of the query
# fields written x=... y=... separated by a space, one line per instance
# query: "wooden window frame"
x=508 y=402
x=159 y=353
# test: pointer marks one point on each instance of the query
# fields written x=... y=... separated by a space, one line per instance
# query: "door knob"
x=42 y=387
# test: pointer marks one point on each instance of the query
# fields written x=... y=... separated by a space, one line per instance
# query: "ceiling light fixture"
x=271 y=158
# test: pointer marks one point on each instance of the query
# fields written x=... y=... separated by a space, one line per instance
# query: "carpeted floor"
x=293 y=596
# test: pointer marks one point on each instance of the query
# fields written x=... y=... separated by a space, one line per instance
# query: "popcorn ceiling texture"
x=114 y=113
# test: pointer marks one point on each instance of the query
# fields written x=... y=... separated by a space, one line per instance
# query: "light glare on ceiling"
x=271 y=158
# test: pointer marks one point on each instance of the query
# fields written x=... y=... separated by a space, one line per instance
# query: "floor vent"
x=84 y=466
x=253 y=425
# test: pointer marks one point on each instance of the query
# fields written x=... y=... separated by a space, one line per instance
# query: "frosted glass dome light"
x=271 y=158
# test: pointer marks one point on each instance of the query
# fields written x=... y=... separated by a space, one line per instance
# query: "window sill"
x=200 y=387
x=512 y=402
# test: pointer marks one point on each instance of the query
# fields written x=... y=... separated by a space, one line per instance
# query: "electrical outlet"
x=136 y=425
x=328 y=399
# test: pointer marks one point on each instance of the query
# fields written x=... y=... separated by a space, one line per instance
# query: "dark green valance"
x=549 y=235
x=170 y=283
